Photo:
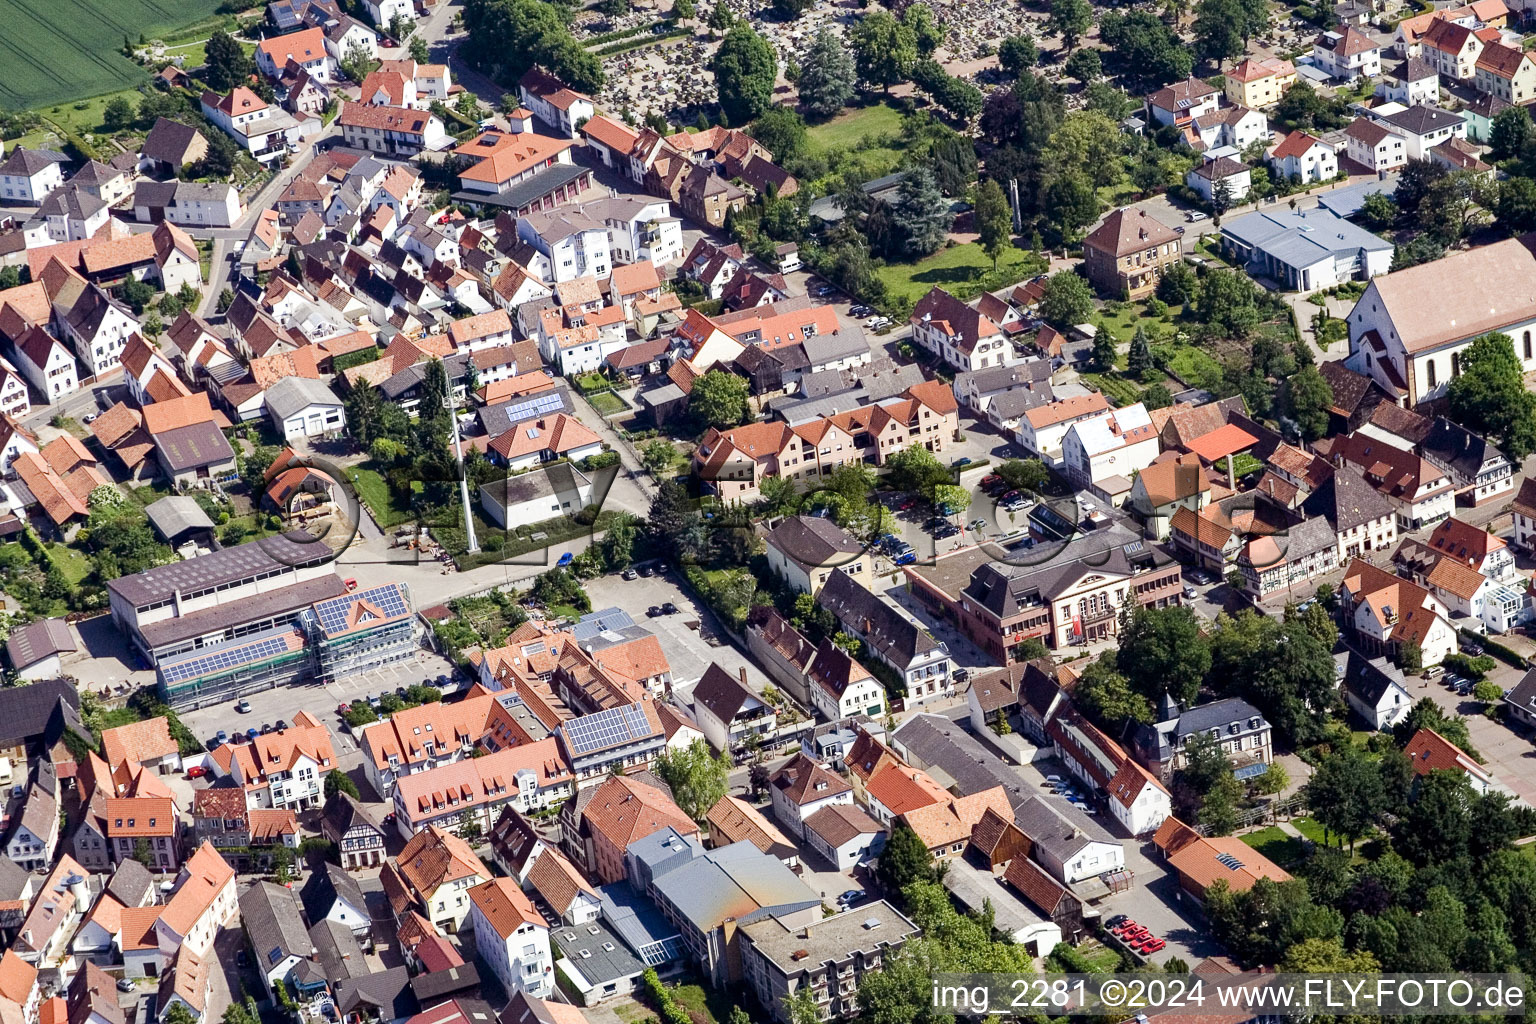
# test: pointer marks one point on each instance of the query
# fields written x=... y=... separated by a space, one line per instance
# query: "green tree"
x=338 y=781
x=1229 y=301
x=683 y=10
x=1024 y=474
x=1219 y=29
x=744 y=67
x=827 y=76
x=1067 y=300
x=418 y=50
x=1018 y=54
x=1410 y=657
x=504 y=38
x=1162 y=650
x=1489 y=396
x=659 y=455
x=778 y=496
x=697 y=777
x=951 y=500
x=118 y=114
x=1150 y=51
x=1107 y=698
x=226 y=62
x=1139 y=360
x=143 y=854
x=920 y=215
x=1378 y=212
x=1070 y=19
x=781 y=131
x=720 y=399
x=1515 y=204
x=801 y=1006
x=671 y=517
x=884 y=50
x=720 y=17
x=1309 y=397
x=177 y=1013
x=1156 y=396
x=1071 y=203
x=1085 y=65
x=927 y=33
x=1488 y=691
x=364 y=412
x=1104 y=349
x=1345 y=794
x=1088 y=143
x=993 y=220
x=915 y=469
x=1510 y=132
x=904 y=860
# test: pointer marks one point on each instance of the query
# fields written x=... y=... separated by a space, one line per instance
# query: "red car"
x=1124 y=926
x=1149 y=945
x=342 y=709
x=1132 y=936
x=990 y=481
x=197 y=771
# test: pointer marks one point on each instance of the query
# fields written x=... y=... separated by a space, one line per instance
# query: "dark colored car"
x=669 y=609
x=654 y=611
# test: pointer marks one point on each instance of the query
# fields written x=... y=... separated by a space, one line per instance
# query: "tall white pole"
x=458 y=450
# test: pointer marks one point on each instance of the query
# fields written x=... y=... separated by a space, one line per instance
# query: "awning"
x=1250 y=771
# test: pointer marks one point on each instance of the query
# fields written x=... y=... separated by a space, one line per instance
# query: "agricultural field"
x=57 y=51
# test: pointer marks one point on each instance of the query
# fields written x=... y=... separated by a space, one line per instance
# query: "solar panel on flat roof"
x=200 y=664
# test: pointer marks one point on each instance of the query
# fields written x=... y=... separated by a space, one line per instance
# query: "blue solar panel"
x=232 y=656
x=389 y=599
x=549 y=401
x=593 y=623
x=605 y=729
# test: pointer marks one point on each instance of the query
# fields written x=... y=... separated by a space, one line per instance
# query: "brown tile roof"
x=137 y=817
x=901 y=788
x=838 y=824
x=1035 y=885
x=803 y=780
x=557 y=880
x=505 y=907
x=1464 y=542
x=735 y=821
x=942 y=824
x=434 y=857
x=1429 y=752
x=1129 y=230
x=1525 y=498
x=623 y=810
x=1224 y=858
x=1464 y=295
x=1293 y=145
x=137 y=742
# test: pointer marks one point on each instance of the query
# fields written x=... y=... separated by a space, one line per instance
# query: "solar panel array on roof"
x=535 y=406
x=590 y=733
x=233 y=656
x=593 y=623
x=389 y=599
x=1228 y=861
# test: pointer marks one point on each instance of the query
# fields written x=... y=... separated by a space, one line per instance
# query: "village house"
x=1124 y=257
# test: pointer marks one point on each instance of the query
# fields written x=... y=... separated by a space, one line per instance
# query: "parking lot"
x=685 y=647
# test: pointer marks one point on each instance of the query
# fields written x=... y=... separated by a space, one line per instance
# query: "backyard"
x=869 y=137
x=375 y=492
x=963 y=270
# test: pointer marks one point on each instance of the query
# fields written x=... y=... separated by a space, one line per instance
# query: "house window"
x=1431 y=372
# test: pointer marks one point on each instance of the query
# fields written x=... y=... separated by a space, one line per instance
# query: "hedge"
x=1493 y=647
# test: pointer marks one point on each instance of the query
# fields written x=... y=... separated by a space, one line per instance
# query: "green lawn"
x=607 y=403
x=1313 y=830
x=963 y=270
x=75 y=565
x=58 y=51
x=377 y=495
x=851 y=127
x=1276 y=844
x=1195 y=367
x=714 y=1004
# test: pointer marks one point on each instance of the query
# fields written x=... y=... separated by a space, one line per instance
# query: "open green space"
x=375 y=492
x=868 y=137
x=606 y=402
x=963 y=270
x=59 y=51
x=1276 y=844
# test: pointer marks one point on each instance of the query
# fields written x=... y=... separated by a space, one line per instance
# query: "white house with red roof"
x=306 y=48
x=1105 y=452
x=1304 y=158
x=959 y=334
x=512 y=937
x=204 y=901
x=286 y=768
x=562 y=108
x=1385 y=612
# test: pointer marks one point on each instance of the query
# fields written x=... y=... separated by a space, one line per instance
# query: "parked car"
x=653 y=612
x=992 y=482
x=1117 y=919
x=252 y=733
x=1189 y=592
x=669 y=609
x=565 y=559
x=197 y=771
x=630 y=574
x=1152 y=945
x=850 y=896
x=964 y=460
x=244 y=707
x=978 y=524
x=1194 y=216
x=125 y=984
x=906 y=557
x=220 y=738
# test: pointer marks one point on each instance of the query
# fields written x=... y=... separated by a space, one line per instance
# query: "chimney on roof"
x=742 y=671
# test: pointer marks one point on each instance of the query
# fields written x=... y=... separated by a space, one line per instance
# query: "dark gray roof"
x=1308 y=537
x=28 y=162
x=270 y=914
x=178 y=515
x=541 y=483
x=600 y=957
x=527 y=190
x=526 y=1009
x=812 y=541
x=13 y=880
x=1459 y=451
x=28 y=713
x=1523 y=696
x=130 y=882
x=71 y=201
x=1369 y=678
x=194 y=446
x=640 y=924
x=1347 y=501
x=154 y=193
x=496 y=420
x=889 y=634
x=338 y=951
x=220 y=568
x=38 y=641
x=1423 y=119
x=1048 y=829
x=1220 y=714
x=250 y=609
x=432 y=987
x=325 y=886
x=722 y=693
x=941 y=748
x=387 y=992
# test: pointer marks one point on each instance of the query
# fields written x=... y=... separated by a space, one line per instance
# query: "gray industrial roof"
x=38 y=641
x=292 y=395
x=221 y=568
x=596 y=953
x=1301 y=239
x=732 y=882
x=177 y=515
